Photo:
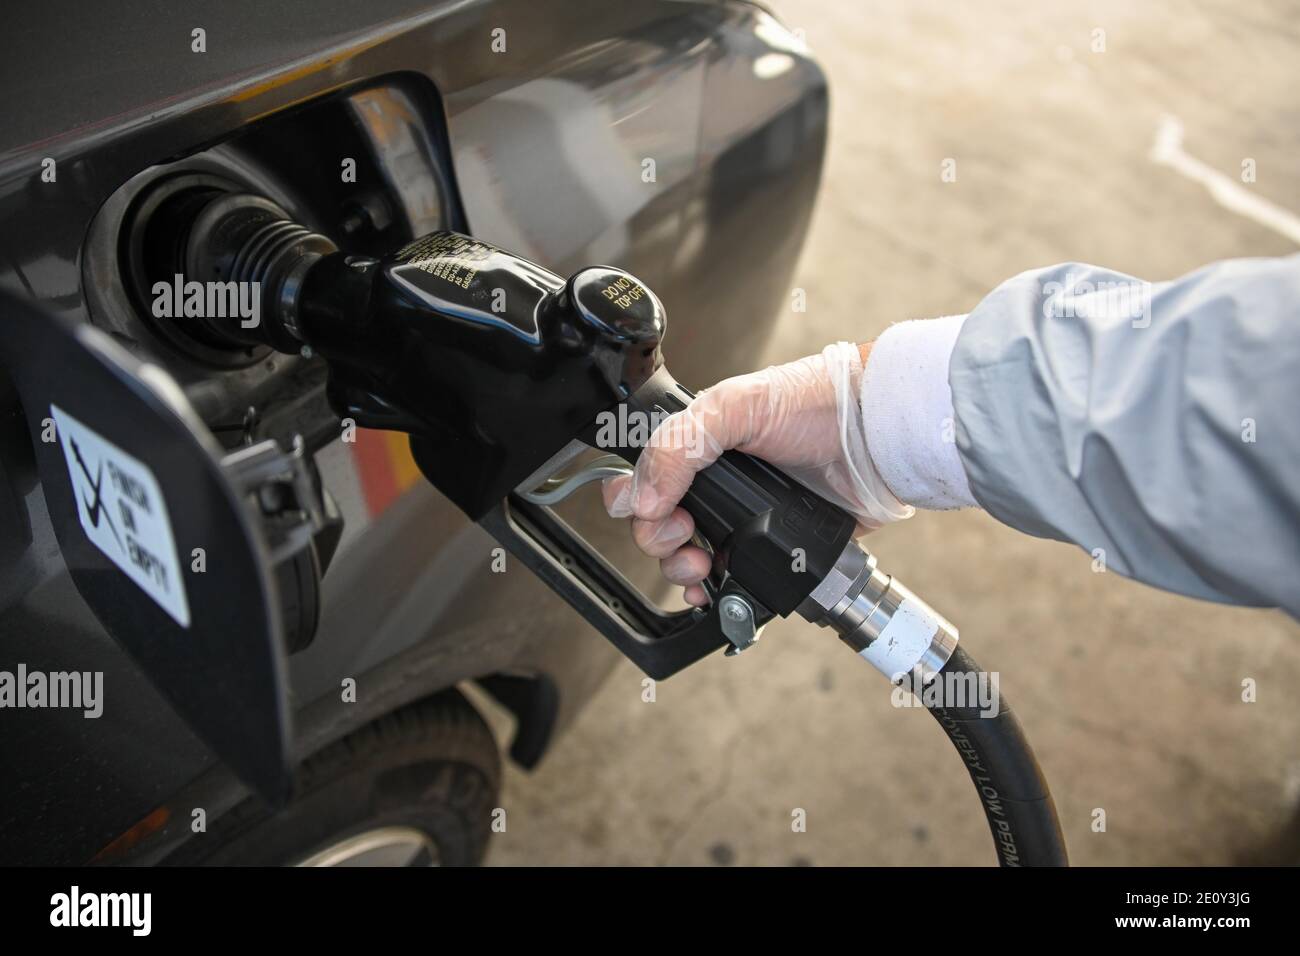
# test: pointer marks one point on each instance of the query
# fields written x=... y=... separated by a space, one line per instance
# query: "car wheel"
x=414 y=788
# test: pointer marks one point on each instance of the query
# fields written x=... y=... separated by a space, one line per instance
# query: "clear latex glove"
x=805 y=417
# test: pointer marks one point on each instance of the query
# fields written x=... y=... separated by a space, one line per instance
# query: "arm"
x=1160 y=423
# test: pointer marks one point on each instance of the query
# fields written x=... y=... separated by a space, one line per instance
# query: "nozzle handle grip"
x=775 y=537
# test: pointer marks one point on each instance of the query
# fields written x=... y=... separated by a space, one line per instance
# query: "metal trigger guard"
x=659 y=642
x=556 y=488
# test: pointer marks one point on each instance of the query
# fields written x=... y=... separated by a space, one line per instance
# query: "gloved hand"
x=805 y=417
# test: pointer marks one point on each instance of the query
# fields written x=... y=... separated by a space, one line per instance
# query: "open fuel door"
x=156 y=527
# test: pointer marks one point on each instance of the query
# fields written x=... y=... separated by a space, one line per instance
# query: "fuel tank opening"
x=210 y=265
x=253 y=244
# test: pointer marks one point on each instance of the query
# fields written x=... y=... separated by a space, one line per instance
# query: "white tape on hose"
x=903 y=642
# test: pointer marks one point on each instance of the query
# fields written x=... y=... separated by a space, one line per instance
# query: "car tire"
x=425 y=777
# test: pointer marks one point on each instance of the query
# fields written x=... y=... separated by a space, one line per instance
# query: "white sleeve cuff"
x=907 y=410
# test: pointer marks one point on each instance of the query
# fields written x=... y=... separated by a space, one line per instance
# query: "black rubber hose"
x=1019 y=807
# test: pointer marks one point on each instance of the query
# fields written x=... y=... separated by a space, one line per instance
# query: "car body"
x=681 y=141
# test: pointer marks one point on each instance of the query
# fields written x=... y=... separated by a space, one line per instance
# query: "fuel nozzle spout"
x=251 y=241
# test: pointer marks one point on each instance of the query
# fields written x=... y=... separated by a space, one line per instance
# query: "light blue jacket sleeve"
x=1158 y=422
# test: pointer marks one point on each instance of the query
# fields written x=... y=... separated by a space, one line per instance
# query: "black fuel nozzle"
x=499 y=370
x=489 y=361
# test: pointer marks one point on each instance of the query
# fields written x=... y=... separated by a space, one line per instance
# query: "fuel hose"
x=914 y=646
x=992 y=745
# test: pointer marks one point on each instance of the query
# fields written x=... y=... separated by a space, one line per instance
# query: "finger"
x=682 y=445
x=659 y=539
x=688 y=565
x=696 y=596
x=617 y=495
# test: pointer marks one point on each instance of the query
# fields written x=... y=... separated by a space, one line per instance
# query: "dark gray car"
x=679 y=140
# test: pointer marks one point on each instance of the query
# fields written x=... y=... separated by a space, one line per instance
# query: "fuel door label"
x=123 y=513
